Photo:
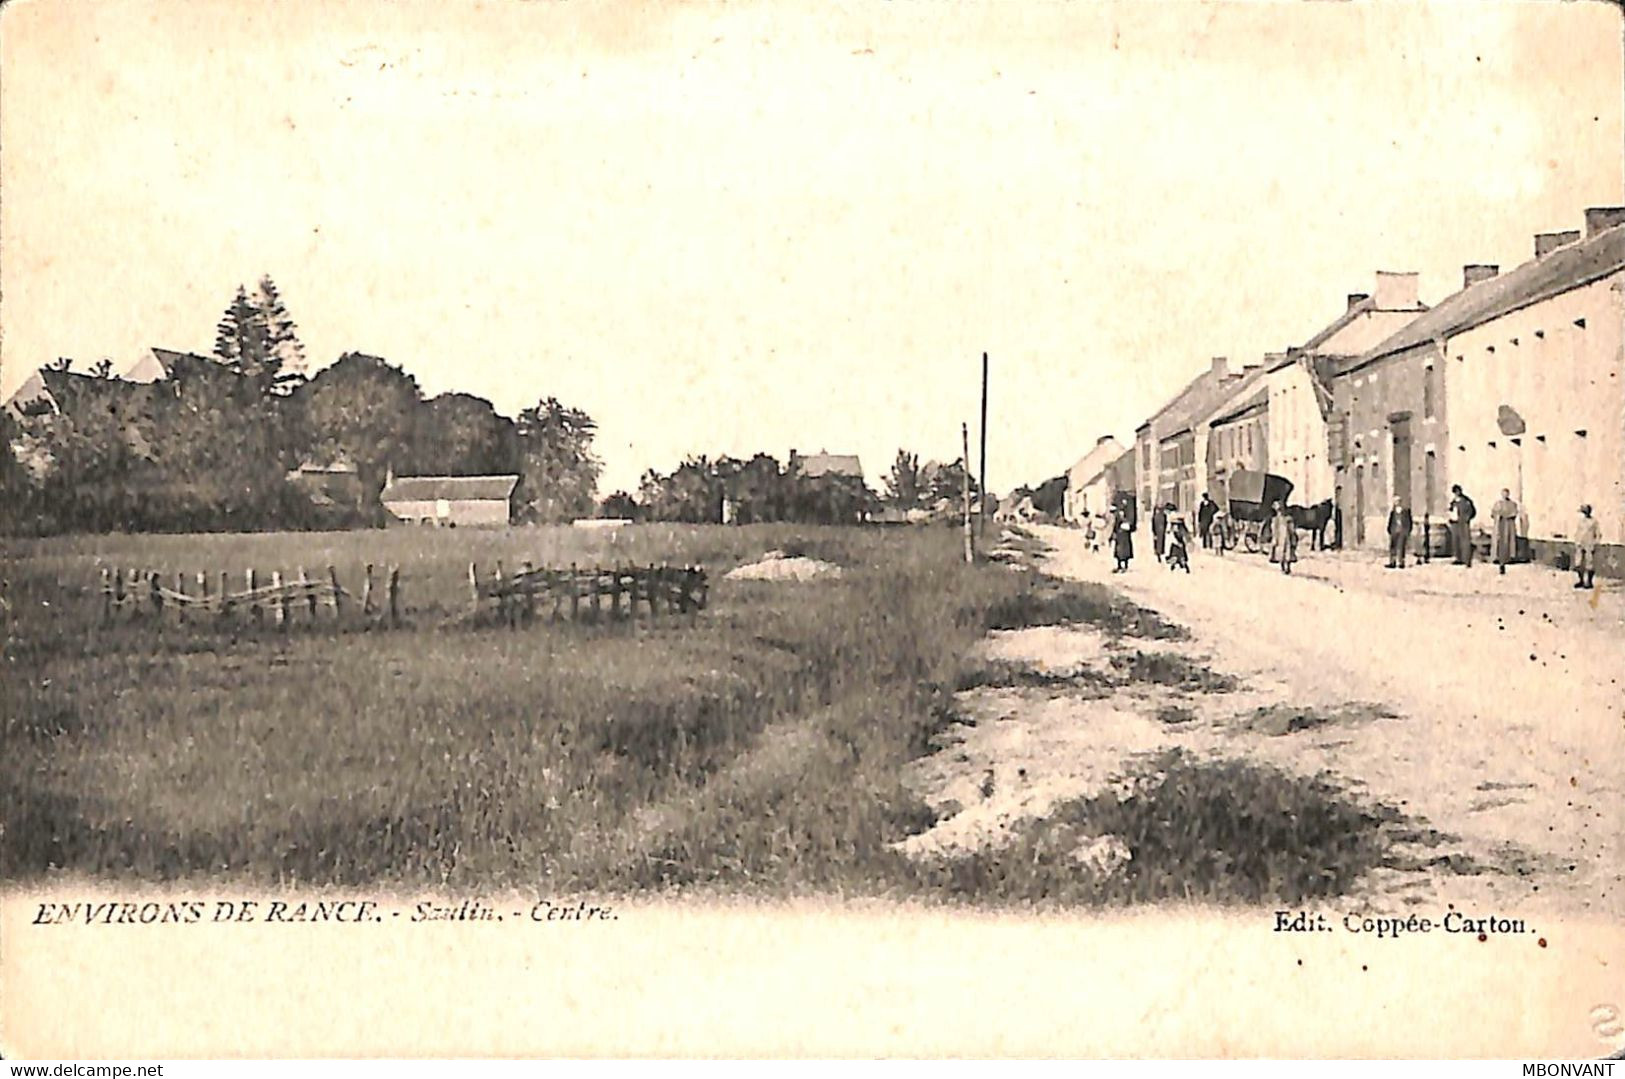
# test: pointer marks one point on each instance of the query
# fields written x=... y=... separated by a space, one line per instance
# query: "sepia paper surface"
x=852 y=201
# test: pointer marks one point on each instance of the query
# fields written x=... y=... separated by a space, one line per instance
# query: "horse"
x=1314 y=519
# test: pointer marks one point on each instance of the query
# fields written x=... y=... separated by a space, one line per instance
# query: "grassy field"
x=759 y=748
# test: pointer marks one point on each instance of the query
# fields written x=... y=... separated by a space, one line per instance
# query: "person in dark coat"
x=1122 y=540
x=1399 y=534
x=1179 y=544
x=1204 y=519
x=1462 y=512
x=1159 y=529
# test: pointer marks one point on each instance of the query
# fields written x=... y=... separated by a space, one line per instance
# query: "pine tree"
x=281 y=334
x=243 y=341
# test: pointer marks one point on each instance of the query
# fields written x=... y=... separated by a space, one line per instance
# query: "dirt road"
x=1510 y=727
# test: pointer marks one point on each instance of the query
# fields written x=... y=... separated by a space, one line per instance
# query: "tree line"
x=761 y=489
x=226 y=441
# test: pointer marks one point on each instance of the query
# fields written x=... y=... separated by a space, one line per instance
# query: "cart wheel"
x=1266 y=535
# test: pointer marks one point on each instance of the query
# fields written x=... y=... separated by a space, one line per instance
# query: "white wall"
x=1561 y=379
x=1297 y=435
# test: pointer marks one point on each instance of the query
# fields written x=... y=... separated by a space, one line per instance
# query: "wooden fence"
x=617 y=593
x=278 y=601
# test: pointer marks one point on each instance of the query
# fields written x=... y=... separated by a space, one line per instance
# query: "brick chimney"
x=1103 y=438
x=1357 y=298
x=1396 y=291
x=1221 y=367
x=1547 y=242
x=1474 y=272
x=1599 y=218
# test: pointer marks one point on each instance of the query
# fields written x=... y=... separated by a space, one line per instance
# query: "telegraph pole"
x=964 y=486
x=981 y=478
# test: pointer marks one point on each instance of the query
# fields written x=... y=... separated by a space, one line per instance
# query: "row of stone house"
x=1515 y=381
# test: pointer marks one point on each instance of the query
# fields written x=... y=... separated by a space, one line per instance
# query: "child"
x=1178 y=545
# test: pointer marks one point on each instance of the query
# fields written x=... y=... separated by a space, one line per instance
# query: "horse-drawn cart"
x=1252 y=497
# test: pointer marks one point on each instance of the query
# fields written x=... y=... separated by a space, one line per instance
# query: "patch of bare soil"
x=779 y=566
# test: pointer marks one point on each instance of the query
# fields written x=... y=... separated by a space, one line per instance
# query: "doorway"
x=1401 y=428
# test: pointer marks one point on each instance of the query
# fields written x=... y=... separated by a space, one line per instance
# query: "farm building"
x=450 y=501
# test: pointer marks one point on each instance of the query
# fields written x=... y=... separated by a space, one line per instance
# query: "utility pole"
x=964 y=486
x=981 y=477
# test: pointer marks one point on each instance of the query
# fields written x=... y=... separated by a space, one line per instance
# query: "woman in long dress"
x=1283 y=539
x=1505 y=515
x=1122 y=540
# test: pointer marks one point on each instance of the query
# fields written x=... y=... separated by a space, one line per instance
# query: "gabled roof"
x=1198 y=407
x=1253 y=403
x=830 y=464
x=1556 y=272
x=450 y=488
x=31 y=389
x=1092 y=464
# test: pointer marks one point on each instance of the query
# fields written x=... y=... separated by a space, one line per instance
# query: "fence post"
x=366 y=593
x=338 y=593
x=575 y=596
x=279 y=602
x=225 y=590
x=180 y=590
x=474 y=587
x=310 y=593
x=615 y=593
x=156 y=597
x=597 y=594
x=500 y=591
x=255 y=607
x=654 y=594
x=107 y=596
x=528 y=590
x=394 y=595
x=682 y=589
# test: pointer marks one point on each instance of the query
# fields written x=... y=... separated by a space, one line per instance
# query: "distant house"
x=1238 y=440
x=450 y=501
x=331 y=483
x=1165 y=463
x=841 y=495
x=31 y=395
x=1088 y=483
x=827 y=464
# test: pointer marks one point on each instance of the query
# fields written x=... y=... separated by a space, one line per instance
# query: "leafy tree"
x=559 y=473
x=759 y=490
x=1050 y=496
x=363 y=408
x=903 y=488
x=463 y=435
x=946 y=481
x=620 y=505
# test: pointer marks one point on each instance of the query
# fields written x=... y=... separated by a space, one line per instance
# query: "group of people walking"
x=1170 y=534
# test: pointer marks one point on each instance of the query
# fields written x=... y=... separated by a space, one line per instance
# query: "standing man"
x=1505 y=515
x=1159 y=529
x=1462 y=511
x=1204 y=519
x=1399 y=534
x=1337 y=518
x=1122 y=527
x=1587 y=534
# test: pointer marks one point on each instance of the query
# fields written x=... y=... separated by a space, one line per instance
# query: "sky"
x=764 y=226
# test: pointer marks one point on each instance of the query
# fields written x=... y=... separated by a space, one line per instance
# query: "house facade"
x=1237 y=440
x=450 y=501
x=1300 y=396
x=1088 y=483
x=1516 y=353
x=1159 y=467
x=1535 y=387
